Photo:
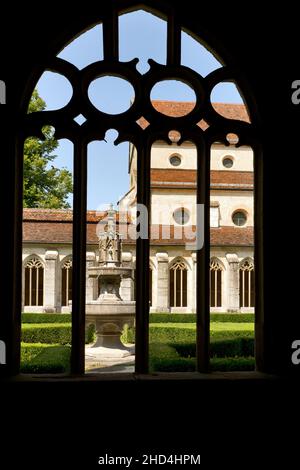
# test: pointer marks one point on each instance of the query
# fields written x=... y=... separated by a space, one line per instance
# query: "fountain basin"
x=109 y=319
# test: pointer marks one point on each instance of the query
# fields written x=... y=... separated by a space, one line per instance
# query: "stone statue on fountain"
x=109 y=312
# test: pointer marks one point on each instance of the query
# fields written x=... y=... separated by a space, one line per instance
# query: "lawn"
x=46 y=347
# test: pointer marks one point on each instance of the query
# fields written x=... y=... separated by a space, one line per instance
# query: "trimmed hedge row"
x=38 y=358
x=182 y=335
x=154 y=317
x=220 y=347
x=46 y=318
x=52 y=333
x=191 y=317
x=164 y=358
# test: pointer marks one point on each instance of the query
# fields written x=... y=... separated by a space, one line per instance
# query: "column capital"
x=51 y=255
x=162 y=257
x=90 y=256
x=232 y=258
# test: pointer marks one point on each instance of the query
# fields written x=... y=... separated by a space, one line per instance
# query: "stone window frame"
x=38 y=260
x=178 y=264
x=247 y=266
x=216 y=265
x=63 y=122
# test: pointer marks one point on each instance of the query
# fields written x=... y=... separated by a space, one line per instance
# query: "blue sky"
x=141 y=35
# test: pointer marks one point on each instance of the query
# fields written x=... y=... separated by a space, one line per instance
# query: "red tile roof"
x=60 y=215
x=54 y=232
x=182 y=108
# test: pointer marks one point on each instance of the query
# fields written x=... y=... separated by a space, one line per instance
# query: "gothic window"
x=247 y=283
x=66 y=283
x=178 y=284
x=97 y=122
x=34 y=282
x=215 y=283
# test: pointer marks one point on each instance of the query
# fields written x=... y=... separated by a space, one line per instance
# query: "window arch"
x=247 y=283
x=159 y=127
x=216 y=270
x=66 y=282
x=178 y=284
x=34 y=282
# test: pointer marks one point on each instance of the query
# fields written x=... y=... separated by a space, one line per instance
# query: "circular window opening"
x=175 y=160
x=227 y=162
x=181 y=216
x=239 y=218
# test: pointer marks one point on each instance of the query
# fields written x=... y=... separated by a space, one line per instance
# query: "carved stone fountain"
x=109 y=313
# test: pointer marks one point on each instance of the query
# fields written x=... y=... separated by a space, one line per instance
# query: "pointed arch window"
x=66 y=283
x=216 y=270
x=94 y=128
x=178 y=284
x=34 y=282
x=247 y=283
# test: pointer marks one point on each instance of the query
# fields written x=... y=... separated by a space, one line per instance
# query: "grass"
x=45 y=358
x=46 y=346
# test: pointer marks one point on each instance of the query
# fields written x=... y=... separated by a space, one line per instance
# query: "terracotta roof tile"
x=182 y=108
x=50 y=232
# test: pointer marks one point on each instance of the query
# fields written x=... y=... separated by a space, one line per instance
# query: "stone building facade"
x=47 y=234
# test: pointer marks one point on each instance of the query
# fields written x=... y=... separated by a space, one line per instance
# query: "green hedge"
x=191 y=317
x=51 y=333
x=164 y=358
x=154 y=317
x=182 y=335
x=41 y=358
x=220 y=347
x=46 y=318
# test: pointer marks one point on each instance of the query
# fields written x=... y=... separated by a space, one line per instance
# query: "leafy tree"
x=44 y=185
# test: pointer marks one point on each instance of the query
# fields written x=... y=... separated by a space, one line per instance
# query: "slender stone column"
x=127 y=283
x=233 y=283
x=50 y=281
x=162 y=285
x=91 y=284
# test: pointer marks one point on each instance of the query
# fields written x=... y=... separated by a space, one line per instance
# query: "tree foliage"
x=44 y=185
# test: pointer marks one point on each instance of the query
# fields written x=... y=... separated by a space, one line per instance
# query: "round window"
x=239 y=218
x=181 y=216
x=175 y=160
x=227 y=162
